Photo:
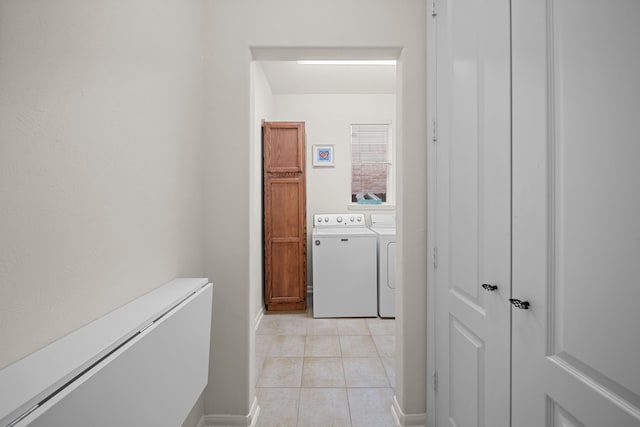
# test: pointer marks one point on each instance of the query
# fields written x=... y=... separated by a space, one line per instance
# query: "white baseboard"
x=258 y=318
x=233 y=420
x=404 y=420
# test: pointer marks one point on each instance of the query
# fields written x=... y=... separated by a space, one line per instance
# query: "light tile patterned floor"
x=325 y=372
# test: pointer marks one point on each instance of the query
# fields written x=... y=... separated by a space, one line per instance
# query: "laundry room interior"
x=333 y=99
x=327 y=306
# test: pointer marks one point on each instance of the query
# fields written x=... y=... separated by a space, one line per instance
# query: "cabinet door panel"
x=285 y=268
x=285 y=272
x=284 y=148
x=285 y=207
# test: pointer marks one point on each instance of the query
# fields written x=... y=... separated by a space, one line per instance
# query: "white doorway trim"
x=404 y=369
x=431 y=223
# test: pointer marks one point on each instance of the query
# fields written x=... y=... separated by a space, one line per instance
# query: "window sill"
x=381 y=207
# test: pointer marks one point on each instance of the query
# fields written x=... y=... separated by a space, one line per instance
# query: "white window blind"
x=370 y=162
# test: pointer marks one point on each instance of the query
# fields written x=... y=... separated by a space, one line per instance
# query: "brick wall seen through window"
x=370 y=162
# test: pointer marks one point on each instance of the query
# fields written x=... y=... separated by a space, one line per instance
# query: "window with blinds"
x=370 y=162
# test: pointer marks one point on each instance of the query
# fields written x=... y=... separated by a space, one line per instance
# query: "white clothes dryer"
x=384 y=225
x=344 y=266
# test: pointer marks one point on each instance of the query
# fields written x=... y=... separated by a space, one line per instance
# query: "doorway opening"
x=331 y=90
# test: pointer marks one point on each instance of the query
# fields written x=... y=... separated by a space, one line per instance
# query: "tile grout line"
x=299 y=405
x=344 y=373
x=392 y=387
x=386 y=374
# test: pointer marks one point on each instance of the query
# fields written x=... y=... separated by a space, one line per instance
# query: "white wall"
x=327 y=121
x=262 y=105
x=101 y=186
x=196 y=413
x=233 y=28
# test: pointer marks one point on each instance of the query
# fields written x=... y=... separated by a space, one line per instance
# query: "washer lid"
x=342 y=231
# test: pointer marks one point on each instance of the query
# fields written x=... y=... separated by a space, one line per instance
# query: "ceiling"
x=290 y=77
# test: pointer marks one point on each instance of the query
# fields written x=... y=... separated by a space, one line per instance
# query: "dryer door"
x=391 y=265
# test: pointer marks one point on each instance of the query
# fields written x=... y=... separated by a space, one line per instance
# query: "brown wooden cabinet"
x=285 y=234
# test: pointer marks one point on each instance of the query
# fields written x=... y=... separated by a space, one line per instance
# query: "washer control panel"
x=339 y=220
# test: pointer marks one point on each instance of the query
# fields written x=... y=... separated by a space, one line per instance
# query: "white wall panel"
x=101 y=188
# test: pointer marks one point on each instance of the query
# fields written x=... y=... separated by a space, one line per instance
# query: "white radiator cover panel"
x=154 y=378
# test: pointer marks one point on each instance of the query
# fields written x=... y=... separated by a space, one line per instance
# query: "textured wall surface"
x=101 y=188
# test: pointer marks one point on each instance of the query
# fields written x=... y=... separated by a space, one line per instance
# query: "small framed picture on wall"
x=323 y=156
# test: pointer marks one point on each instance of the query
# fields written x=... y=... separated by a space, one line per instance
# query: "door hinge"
x=435 y=381
x=433 y=9
x=435 y=257
x=434 y=129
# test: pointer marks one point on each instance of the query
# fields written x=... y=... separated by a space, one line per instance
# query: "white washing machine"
x=384 y=225
x=344 y=266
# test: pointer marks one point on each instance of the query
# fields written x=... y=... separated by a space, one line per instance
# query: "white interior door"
x=576 y=213
x=472 y=213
